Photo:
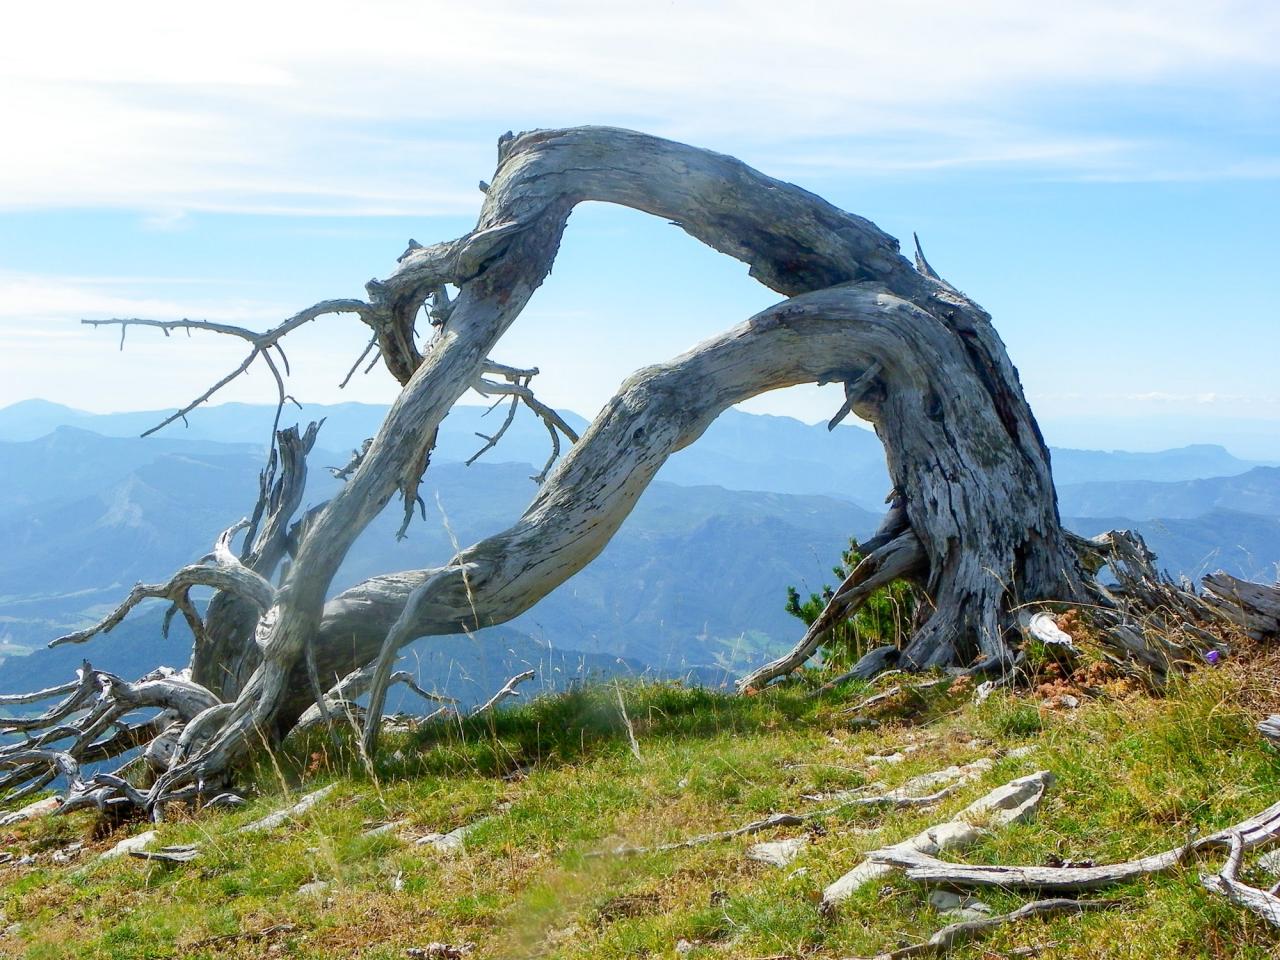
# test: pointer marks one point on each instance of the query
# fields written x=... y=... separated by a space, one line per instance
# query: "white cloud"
x=27 y=299
x=392 y=107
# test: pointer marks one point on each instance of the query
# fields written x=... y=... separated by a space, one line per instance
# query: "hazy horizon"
x=1247 y=440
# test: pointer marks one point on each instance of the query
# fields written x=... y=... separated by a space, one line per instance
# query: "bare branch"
x=221 y=570
x=771 y=822
x=508 y=690
x=957 y=933
x=260 y=342
x=1262 y=902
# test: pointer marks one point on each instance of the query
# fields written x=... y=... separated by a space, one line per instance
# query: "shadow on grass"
x=556 y=729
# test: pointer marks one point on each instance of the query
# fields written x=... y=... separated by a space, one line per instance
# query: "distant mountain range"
x=739 y=451
x=695 y=581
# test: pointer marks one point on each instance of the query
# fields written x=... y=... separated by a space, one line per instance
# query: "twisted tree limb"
x=974 y=523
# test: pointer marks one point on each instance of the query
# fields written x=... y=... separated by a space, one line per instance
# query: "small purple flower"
x=1212 y=658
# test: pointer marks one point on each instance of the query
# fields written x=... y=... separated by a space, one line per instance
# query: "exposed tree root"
x=1013 y=802
x=957 y=933
x=1264 y=903
x=926 y=868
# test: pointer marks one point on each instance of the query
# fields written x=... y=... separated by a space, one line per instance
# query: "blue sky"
x=1103 y=177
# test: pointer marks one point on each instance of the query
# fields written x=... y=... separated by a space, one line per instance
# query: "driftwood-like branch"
x=910 y=794
x=221 y=570
x=1255 y=607
x=1011 y=803
x=901 y=557
x=926 y=868
x=260 y=344
x=508 y=690
x=952 y=936
x=278 y=817
x=770 y=822
x=516 y=386
x=74 y=732
x=1264 y=903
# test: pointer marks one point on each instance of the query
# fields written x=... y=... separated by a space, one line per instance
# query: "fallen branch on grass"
x=908 y=795
x=1264 y=903
x=921 y=865
x=1011 y=803
x=958 y=933
x=273 y=820
x=757 y=826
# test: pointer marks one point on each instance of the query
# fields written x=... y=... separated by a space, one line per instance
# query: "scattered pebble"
x=451 y=842
x=382 y=828
x=316 y=888
x=441 y=951
x=68 y=853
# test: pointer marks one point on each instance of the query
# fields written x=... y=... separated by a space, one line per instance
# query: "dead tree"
x=974 y=519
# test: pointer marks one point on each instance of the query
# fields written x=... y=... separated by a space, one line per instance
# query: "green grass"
x=553 y=781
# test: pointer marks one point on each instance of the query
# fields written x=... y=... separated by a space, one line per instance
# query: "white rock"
x=955 y=906
x=1270 y=862
x=382 y=828
x=140 y=842
x=316 y=888
x=1017 y=753
x=945 y=900
x=452 y=842
x=777 y=853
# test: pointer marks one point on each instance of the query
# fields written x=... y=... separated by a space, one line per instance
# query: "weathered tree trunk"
x=974 y=519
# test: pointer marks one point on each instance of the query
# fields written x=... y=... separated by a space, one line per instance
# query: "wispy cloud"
x=382 y=107
x=30 y=303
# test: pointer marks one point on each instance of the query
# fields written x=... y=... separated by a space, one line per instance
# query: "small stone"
x=1063 y=701
x=316 y=888
x=382 y=828
x=453 y=842
x=888 y=758
x=67 y=853
x=953 y=906
x=945 y=900
x=441 y=951
x=683 y=947
x=777 y=853
x=1270 y=862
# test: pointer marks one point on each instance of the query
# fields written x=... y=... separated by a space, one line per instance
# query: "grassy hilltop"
x=549 y=784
